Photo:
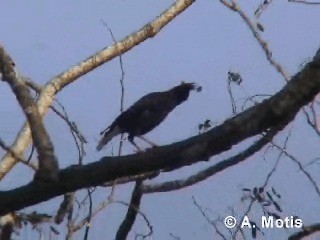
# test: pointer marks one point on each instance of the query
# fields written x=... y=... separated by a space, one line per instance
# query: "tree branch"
x=62 y=80
x=278 y=110
x=210 y=171
x=305 y=2
x=48 y=165
x=234 y=6
x=306 y=231
x=132 y=213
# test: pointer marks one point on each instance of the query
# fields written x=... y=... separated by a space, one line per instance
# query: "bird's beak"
x=196 y=87
x=193 y=86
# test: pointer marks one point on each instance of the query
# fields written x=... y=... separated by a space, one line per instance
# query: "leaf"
x=260 y=27
x=261 y=189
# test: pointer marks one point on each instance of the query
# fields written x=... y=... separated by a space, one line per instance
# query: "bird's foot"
x=148 y=141
x=138 y=151
x=150 y=148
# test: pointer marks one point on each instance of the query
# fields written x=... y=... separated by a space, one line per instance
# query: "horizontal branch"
x=59 y=82
x=278 y=110
x=306 y=231
x=210 y=171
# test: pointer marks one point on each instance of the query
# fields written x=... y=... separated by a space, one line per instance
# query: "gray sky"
x=201 y=45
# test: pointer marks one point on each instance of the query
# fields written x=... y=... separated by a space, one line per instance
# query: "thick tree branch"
x=210 y=171
x=280 y=109
x=65 y=207
x=59 y=82
x=48 y=165
x=306 y=231
x=132 y=213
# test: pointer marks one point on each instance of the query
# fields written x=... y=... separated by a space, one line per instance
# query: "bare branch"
x=312 y=120
x=144 y=176
x=78 y=137
x=233 y=103
x=306 y=231
x=21 y=159
x=211 y=222
x=65 y=207
x=88 y=225
x=209 y=172
x=7 y=226
x=262 y=7
x=301 y=168
x=305 y=2
x=277 y=161
x=48 y=165
x=264 y=45
x=121 y=84
x=132 y=212
x=99 y=208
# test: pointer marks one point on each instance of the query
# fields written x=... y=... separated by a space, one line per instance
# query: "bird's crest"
x=192 y=85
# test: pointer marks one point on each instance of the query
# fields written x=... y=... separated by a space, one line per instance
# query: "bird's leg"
x=130 y=138
x=148 y=141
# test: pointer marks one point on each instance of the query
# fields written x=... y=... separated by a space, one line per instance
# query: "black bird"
x=147 y=113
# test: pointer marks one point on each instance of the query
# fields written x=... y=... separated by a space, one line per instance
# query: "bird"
x=146 y=114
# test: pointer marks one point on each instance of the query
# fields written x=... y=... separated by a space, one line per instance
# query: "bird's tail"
x=108 y=134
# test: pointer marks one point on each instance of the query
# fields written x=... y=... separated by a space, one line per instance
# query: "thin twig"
x=21 y=159
x=262 y=7
x=98 y=209
x=121 y=84
x=300 y=166
x=88 y=225
x=264 y=45
x=233 y=104
x=211 y=222
x=278 y=160
x=312 y=120
x=78 y=137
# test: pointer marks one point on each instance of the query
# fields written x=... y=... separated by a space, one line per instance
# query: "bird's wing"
x=150 y=100
x=147 y=106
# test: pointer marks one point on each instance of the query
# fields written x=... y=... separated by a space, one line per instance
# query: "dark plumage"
x=147 y=113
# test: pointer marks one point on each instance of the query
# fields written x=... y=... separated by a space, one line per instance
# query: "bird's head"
x=191 y=86
x=182 y=91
